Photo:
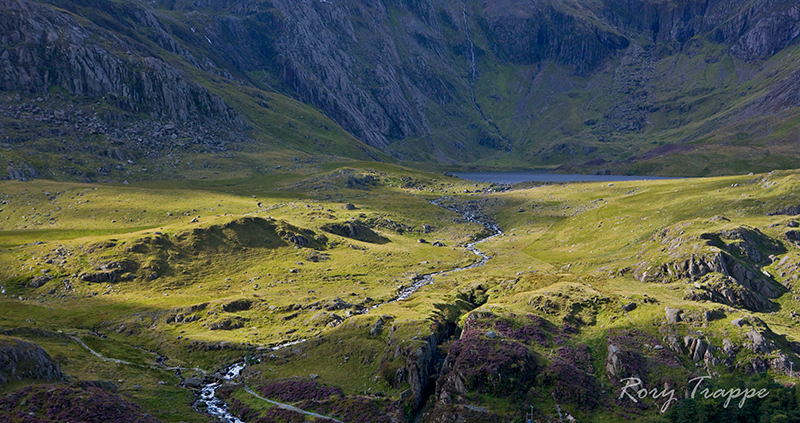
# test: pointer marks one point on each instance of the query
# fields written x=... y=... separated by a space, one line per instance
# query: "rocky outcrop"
x=237 y=305
x=673 y=341
x=377 y=327
x=739 y=247
x=39 y=281
x=234 y=322
x=782 y=363
x=478 y=363
x=112 y=271
x=726 y=276
x=354 y=229
x=491 y=358
x=748 y=243
x=421 y=364
x=793 y=210
x=697 y=347
x=25 y=360
x=725 y=290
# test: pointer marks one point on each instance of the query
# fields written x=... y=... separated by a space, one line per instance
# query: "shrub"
x=297 y=390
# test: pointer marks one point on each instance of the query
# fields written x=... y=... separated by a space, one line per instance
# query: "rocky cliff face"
x=430 y=80
x=44 y=48
x=753 y=30
x=531 y=32
x=103 y=94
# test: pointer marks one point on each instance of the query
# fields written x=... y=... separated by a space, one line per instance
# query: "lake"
x=515 y=177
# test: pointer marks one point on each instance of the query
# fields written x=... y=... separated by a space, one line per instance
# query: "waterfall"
x=472 y=69
x=473 y=73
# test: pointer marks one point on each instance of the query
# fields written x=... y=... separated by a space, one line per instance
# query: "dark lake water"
x=515 y=177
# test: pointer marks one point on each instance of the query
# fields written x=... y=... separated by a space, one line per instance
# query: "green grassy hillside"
x=207 y=274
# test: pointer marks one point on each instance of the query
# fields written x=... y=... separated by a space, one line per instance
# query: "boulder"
x=298 y=240
x=729 y=348
x=39 y=281
x=193 y=382
x=673 y=315
x=740 y=322
x=376 y=327
x=614 y=366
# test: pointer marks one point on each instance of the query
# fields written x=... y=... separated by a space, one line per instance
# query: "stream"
x=427 y=279
x=217 y=407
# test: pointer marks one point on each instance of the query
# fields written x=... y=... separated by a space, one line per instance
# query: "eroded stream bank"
x=422 y=370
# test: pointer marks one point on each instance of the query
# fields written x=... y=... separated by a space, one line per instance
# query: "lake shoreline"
x=506 y=178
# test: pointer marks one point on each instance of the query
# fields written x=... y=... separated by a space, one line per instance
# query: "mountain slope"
x=103 y=92
x=676 y=87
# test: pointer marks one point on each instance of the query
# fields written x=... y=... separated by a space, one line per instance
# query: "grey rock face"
x=51 y=48
x=530 y=32
x=697 y=347
x=753 y=30
x=759 y=343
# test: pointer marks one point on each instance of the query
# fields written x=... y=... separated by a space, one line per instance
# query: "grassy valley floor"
x=142 y=292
